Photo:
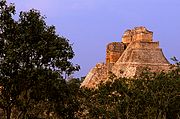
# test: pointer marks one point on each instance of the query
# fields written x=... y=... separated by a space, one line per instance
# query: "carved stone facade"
x=129 y=57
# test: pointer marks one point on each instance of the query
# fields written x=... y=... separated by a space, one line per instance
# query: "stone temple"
x=129 y=57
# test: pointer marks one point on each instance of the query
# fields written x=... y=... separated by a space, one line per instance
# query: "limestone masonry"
x=129 y=57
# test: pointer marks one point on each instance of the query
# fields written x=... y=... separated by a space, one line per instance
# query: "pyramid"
x=129 y=57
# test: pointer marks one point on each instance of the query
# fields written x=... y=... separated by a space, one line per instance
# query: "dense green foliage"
x=34 y=62
x=152 y=96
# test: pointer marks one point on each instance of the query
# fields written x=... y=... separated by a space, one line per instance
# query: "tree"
x=34 y=61
x=150 y=96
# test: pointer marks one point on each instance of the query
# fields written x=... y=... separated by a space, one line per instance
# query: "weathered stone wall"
x=137 y=34
x=140 y=54
x=113 y=51
x=129 y=57
x=127 y=36
x=146 y=45
x=95 y=76
x=142 y=34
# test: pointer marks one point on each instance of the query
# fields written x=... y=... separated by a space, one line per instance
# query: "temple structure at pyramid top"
x=129 y=57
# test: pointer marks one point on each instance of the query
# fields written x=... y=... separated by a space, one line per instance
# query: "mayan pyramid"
x=129 y=57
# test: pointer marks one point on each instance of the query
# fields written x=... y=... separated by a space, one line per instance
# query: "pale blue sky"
x=91 y=24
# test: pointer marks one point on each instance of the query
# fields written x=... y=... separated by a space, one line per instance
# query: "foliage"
x=34 y=62
x=151 y=96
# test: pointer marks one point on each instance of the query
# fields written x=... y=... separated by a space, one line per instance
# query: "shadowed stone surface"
x=129 y=57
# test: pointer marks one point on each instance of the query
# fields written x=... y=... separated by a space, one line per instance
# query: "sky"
x=91 y=24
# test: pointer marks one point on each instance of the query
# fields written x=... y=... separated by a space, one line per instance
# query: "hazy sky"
x=91 y=24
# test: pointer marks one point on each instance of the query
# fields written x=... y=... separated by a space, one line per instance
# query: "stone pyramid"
x=129 y=57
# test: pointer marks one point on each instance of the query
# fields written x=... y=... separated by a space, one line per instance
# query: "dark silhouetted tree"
x=33 y=63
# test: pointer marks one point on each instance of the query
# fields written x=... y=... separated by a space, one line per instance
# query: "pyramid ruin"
x=129 y=57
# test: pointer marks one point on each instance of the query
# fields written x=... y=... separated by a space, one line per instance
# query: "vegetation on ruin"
x=34 y=63
x=151 y=96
